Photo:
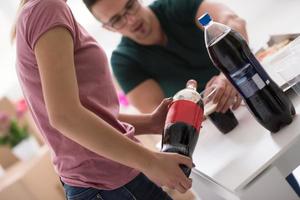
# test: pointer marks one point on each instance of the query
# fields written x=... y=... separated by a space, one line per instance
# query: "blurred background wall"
x=264 y=17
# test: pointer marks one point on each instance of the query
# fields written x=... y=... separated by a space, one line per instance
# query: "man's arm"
x=221 y=13
x=146 y=96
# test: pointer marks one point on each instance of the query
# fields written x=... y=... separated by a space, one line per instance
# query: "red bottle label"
x=185 y=111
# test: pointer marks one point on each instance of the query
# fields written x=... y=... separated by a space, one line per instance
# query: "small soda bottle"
x=183 y=123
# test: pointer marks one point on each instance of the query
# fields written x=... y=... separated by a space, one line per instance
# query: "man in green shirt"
x=162 y=47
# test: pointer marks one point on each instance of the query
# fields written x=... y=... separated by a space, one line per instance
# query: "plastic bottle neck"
x=191 y=87
x=191 y=84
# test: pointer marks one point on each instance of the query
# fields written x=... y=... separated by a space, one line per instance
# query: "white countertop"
x=234 y=159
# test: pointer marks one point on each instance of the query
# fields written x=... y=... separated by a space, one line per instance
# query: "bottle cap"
x=204 y=19
x=191 y=84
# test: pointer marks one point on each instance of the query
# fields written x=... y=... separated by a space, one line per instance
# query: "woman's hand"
x=158 y=116
x=163 y=169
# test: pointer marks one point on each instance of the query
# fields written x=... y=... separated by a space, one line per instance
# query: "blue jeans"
x=293 y=183
x=140 y=188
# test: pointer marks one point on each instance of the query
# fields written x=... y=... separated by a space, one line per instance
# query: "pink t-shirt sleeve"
x=47 y=15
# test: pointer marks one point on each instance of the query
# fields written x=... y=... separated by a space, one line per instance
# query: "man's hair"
x=89 y=3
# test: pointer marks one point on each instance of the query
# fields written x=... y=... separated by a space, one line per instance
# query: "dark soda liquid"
x=180 y=138
x=267 y=102
x=225 y=122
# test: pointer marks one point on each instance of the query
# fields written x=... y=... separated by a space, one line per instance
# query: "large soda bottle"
x=231 y=55
x=183 y=123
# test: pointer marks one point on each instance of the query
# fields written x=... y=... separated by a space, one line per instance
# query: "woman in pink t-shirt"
x=67 y=85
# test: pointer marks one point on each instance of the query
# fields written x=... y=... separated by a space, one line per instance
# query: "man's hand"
x=226 y=95
x=238 y=24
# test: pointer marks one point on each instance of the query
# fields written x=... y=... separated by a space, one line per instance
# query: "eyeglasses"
x=120 y=20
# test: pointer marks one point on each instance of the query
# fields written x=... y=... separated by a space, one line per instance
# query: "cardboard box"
x=7 y=159
x=32 y=180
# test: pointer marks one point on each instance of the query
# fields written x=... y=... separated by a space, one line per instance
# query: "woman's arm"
x=152 y=123
x=146 y=96
x=141 y=122
x=54 y=54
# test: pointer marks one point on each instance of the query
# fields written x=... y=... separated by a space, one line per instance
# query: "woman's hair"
x=89 y=3
x=13 y=30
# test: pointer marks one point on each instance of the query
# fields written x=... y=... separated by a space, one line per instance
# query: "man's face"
x=127 y=17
